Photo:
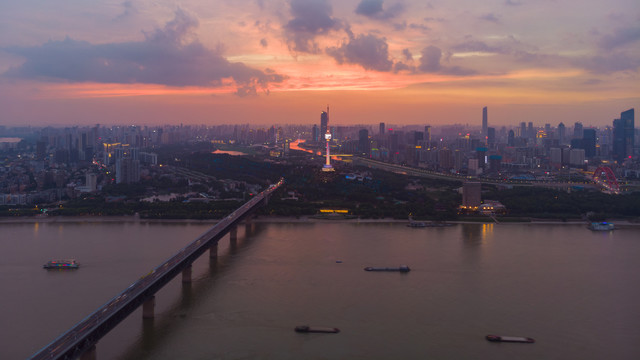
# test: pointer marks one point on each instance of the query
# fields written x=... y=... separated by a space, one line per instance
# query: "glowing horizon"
x=402 y=61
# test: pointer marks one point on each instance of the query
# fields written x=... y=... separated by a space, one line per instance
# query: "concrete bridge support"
x=233 y=234
x=213 y=251
x=148 y=308
x=90 y=354
x=186 y=275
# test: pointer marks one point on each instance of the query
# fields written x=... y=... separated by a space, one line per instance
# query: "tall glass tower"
x=623 y=133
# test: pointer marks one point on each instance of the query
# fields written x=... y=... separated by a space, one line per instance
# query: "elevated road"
x=82 y=337
x=412 y=171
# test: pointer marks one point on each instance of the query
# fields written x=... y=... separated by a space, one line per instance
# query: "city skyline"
x=279 y=62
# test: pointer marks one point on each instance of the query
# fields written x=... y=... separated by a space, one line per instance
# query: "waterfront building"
x=471 y=196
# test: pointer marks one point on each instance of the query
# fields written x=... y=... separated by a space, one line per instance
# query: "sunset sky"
x=270 y=62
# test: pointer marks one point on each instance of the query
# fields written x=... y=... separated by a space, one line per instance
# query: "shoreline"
x=279 y=219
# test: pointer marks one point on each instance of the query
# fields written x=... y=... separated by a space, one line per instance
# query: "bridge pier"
x=233 y=234
x=90 y=354
x=186 y=274
x=148 y=308
x=213 y=251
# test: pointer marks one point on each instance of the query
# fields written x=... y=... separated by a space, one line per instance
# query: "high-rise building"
x=315 y=133
x=364 y=145
x=324 y=121
x=491 y=137
x=471 y=194
x=561 y=133
x=427 y=135
x=485 y=122
x=381 y=128
x=576 y=157
x=589 y=142
x=511 y=138
x=623 y=136
x=577 y=130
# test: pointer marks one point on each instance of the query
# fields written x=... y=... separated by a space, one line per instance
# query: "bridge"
x=80 y=341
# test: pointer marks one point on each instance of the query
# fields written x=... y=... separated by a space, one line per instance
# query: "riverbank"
x=288 y=219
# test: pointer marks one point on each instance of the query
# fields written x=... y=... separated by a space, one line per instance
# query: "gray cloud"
x=369 y=51
x=169 y=56
x=129 y=10
x=513 y=3
x=472 y=45
x=610 y=63
x=430 y=63
x=311 y=18
x=620 y=37
x=491 y=17
x=408 y=56
x=430 y=60
x=373 y=9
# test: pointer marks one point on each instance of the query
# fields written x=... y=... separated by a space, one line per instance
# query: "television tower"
x=327 y=136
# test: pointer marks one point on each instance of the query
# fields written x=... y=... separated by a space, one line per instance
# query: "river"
x=575 y=291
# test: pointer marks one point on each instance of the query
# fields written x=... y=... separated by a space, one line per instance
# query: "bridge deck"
x=85 y=334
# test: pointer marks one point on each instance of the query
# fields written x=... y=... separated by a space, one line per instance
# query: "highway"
x=85 y=334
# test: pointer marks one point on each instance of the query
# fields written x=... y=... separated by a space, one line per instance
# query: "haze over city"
x=265 y=62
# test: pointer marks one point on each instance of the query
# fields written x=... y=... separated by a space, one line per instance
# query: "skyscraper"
x=589 y=142
x=491 y=137
x=364 y=146
x=427 y=135
x=561 y=133
x=324 y=121
x=623 y=133
x=381 y=128
x=485 y=122
x=577 y=130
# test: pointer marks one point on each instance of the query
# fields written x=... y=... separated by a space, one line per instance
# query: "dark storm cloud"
x=430 y=62
x=373 y=9
x=311 y=18
x=368 y=51
x=619 y=38
x=169 y=56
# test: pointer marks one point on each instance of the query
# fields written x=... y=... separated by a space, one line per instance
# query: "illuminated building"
x=471 y=196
